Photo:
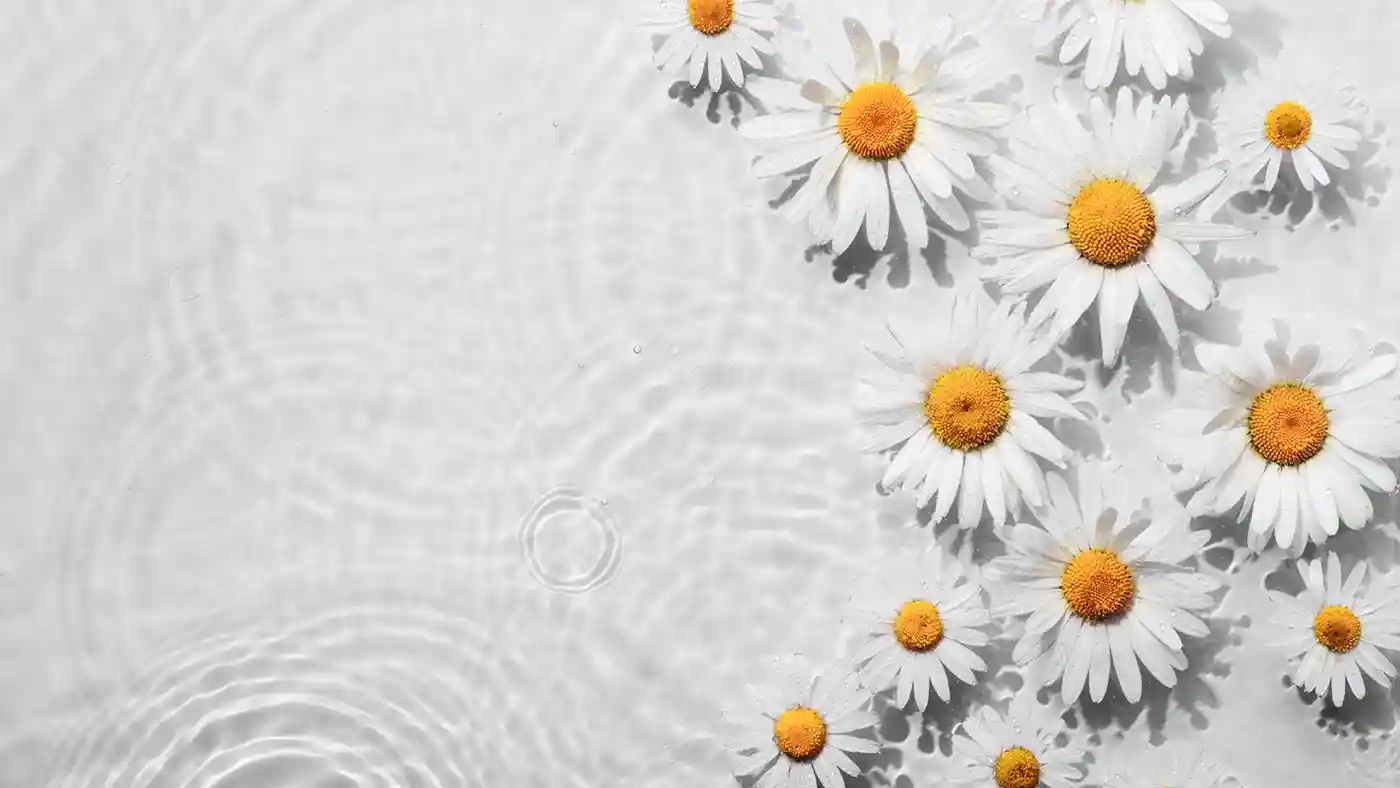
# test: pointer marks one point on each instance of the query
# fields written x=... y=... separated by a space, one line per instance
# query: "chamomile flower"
x=799 y=733
x=1283 y=118
x=1297 y=436
x=1016 y=751
x=714 y=38
x=1338 y=629
x=1189 y=769
x=1157 y=38
x=959 y=404
x=881 y=109
x=1103 y=594
x=920 y=620
x=1097 y=221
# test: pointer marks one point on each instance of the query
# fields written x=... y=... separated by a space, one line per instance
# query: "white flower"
x=1097 y=220
x=960 y=405
x=1188 y=770
x=1102 y=594
x=920 y=622
x=1153 y=37
x=1298 y=437
x=720 y=37
x=1337 y=629
x=883 y=107
x=1018 y=751
x=1285 y=115
x=798 y=734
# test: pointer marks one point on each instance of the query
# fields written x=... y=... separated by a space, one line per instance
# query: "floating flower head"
x=714 y=38
x=1095 y=219
x=881 y=109
x=959 y=405
x=1283 y=116
x=920 y=621
x=1102 y=594
x=1297 y=436
x=800 y=733
x=1016 y=751
x=1157 y=38
x=1337 y=629
x=1189 y=769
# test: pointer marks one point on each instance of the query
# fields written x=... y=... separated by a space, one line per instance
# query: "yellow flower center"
x=1337 y=629
x=1017 y=768
x=878 y=121
x=918 y=627
x=1111 y=222
x=1287 y=424
x=1288 y=125
x=711 y=17
x=1096 y=585
x=800 y=733
x=967 y=408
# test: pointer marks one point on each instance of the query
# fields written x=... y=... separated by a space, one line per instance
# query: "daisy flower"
x=1095 y=219
x=1157 y=38
x=921 y=623
x=1337 y=629
x=800 y=734
x=1017 y=751
x=1188 y=770
x=1102 y=594
x=881 y=109
x=959 y=407
x=1284 y=116
x=717 y=38
x=1298 y=437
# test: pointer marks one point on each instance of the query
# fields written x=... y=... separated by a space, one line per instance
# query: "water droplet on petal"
x=637 y=349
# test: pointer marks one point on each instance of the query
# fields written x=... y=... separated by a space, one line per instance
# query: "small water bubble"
x=637 y=349
x=675 y=351
x=602 y=501
x=1093 y=19
x=556 y=124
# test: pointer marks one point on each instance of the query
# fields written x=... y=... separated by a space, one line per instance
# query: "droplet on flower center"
x=1097 y=585
x=1287 y=424
x=1288 y=125
x=878 y=121
x=1017 y=768
x=711 y=17
x=1337 y=629
x=800 y=733
x=1111 y=223
x=967 y=408
x=918 y=627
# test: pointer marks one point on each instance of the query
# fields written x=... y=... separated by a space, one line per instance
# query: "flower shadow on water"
x=1363 y=183
x=1194 y=693
x=1146 y=359
x=735 y=101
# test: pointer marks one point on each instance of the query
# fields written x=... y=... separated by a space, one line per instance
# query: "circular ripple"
x=378 y=683
x=570 y=543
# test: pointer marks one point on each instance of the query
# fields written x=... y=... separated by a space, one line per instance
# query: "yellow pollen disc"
x=967 y=408
x=711 y=17
x=1288 y=125
x=1097 y=585
x=1111 y=223
x=1337 y=629
x=1017 y=768
x=800 y=733
x=1287 y=424
x=918 y=627
x=877 y=121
